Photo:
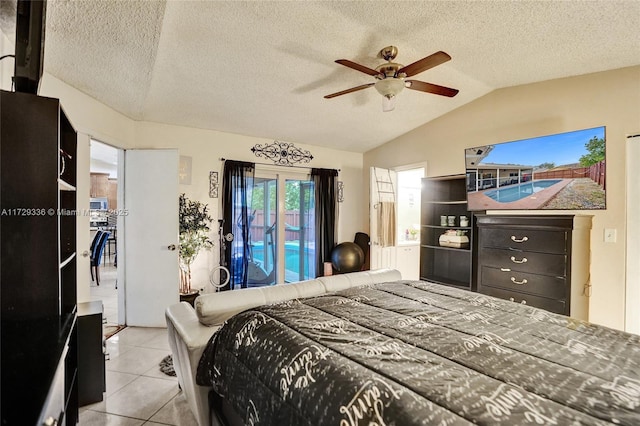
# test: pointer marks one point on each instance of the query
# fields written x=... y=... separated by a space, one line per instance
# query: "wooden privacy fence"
x=596 y=172
x=292 y=219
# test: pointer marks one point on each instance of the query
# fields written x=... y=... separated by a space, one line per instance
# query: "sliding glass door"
x=299 y=230
x=282 y=233
x=263 y=236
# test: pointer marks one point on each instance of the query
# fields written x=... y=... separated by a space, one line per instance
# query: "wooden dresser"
x=538 y=260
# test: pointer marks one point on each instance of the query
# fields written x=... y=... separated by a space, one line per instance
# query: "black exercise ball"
x=347 y=257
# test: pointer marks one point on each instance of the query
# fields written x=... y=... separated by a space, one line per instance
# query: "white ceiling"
x=104 y=159
x=262 y=68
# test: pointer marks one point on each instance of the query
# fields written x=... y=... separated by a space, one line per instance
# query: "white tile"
x=138 y=336
x=161 y=341
x=115 y=348
x=117 y=380
x=93 y=418
x=136 y=360
x=141 y=398
x=176 y=412
x=98 y=406
x=106 y=292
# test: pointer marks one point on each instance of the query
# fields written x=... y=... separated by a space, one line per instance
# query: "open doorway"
x=103 y=212
x=408 y=222
x=394 y=215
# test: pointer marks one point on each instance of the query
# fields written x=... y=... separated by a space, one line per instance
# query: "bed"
x=411 y=352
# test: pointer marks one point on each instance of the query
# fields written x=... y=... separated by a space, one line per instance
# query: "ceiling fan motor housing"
x=389 y=83
x=390 y=70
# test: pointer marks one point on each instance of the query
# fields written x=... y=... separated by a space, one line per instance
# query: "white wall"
x=6 y=65
x=89 y=116
x=92 y=118
x=206 y=147
x=608 y=98
x=632 y=323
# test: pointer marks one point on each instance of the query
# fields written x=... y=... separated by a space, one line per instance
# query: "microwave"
x=98 y=204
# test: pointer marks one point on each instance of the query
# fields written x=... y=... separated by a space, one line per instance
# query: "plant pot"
x=189 y=297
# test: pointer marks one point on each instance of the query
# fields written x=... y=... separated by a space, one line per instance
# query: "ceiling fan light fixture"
x=389 y=87
x=388 y=103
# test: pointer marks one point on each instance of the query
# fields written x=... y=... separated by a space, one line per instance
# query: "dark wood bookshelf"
x=446 y=196
x=38 y=253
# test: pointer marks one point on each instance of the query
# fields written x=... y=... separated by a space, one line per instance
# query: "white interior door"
x=382 y=226
x=150 y=236
x=632 y=320
x=83 y=236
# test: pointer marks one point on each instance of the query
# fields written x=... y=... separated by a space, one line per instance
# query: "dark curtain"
x=237 y=184
x=325 y=194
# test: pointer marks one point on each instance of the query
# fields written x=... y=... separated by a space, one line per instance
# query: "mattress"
x=417 y=353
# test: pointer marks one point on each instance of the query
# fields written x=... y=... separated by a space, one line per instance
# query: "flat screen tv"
x=564 y=171
x=30 y=26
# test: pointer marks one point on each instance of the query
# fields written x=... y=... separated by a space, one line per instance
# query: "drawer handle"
x=505 y=269
x=514 y=260
x=521 y=240
x=513 y=280
x=512 y=299
x=524 y=302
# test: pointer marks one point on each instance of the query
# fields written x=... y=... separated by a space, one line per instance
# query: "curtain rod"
x=277 y=165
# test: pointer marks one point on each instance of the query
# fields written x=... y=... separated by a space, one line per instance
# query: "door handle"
x=172 y=247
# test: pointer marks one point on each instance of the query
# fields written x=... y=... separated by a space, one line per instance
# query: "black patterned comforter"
x=411 y=352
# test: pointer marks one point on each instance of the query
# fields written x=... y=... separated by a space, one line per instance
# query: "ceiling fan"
x=391 y=77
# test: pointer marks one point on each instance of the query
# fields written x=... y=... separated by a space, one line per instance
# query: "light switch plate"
x=609 y=235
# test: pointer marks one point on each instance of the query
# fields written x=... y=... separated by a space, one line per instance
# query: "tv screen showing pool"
x=564 y=171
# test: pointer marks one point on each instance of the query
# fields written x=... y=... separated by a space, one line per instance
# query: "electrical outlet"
x=609 y=235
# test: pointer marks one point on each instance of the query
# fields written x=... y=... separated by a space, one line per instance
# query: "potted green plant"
x=194 y=236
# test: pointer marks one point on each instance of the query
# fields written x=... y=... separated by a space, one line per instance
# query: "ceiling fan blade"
x=358 y=67
x=353 y=89
x=431 y=88
x=424 y=64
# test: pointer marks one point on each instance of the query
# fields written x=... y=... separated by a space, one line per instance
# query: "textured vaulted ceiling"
x=262 y=68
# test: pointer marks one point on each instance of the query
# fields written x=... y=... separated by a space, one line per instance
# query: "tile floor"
x=107 y=292
x=138 y=393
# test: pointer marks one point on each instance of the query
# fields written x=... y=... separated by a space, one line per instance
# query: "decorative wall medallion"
x=213 y=184
x=282 y=153
x=340 y=191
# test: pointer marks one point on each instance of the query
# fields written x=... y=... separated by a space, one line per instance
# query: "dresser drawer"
x=524 y=239
x=539 y=263
x=536 y=284
x=551 y=305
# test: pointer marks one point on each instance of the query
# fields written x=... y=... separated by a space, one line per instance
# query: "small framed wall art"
x=213 y=184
